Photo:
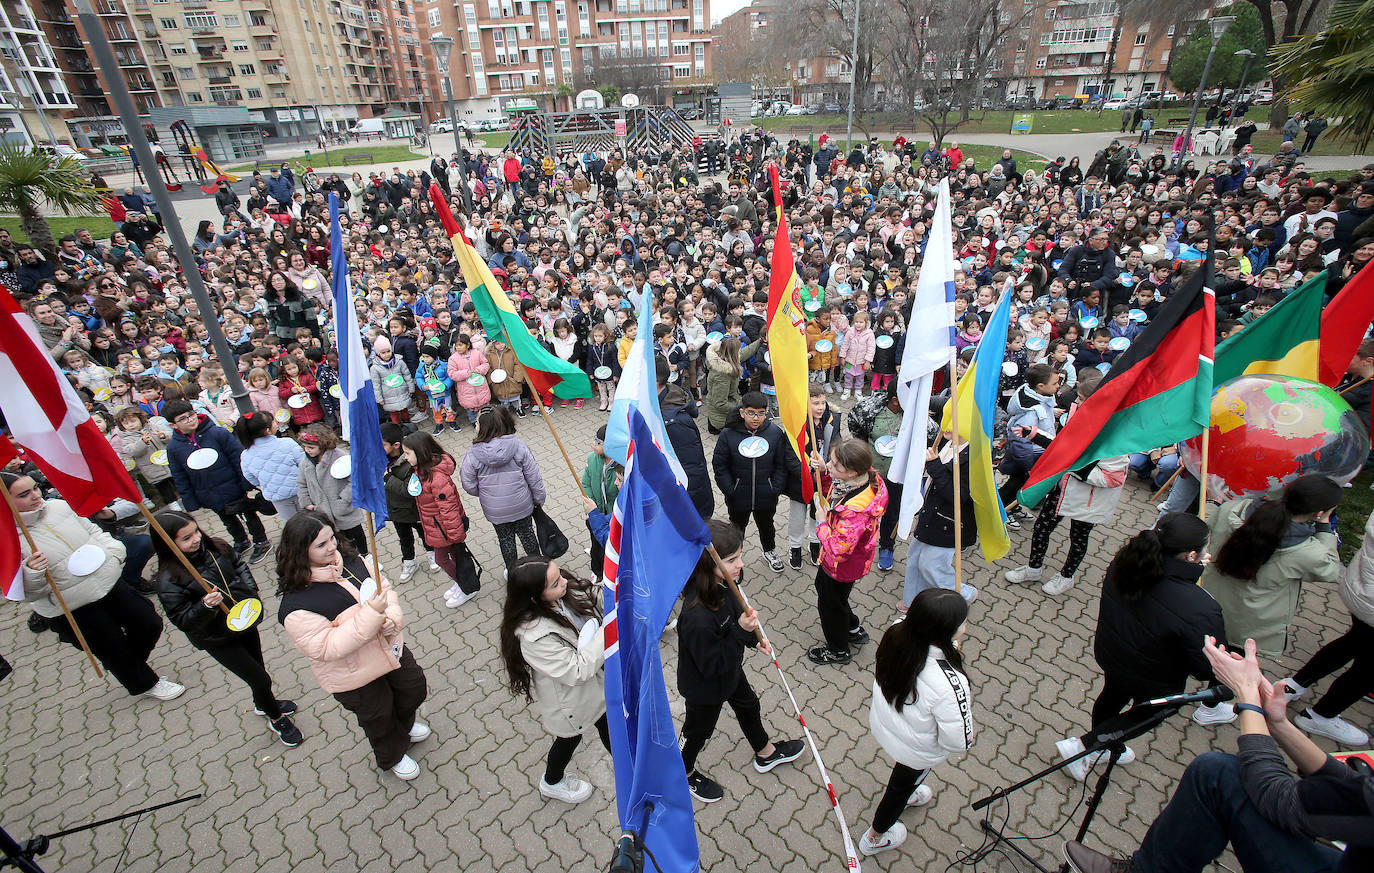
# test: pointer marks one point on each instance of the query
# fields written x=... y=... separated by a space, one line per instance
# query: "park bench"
x=364 y=158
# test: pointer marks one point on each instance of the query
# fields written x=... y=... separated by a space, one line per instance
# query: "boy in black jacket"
x=752 y=463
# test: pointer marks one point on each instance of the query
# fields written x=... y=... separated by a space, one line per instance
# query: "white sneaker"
x=1222 y=713
x=1291 y=690
x=970 y=593
x=1022 y=574
x=1057 y=585
x=148 y=503
x=844 y=395
x=1067 y=748
x=1336 y=728
x=433 y=564
x=406 y=769
x=829 y=388
x=407 y=570
x=165 y=690
x=895 y=836
x=570 y=790
x=419 y=732
x=921 y=796
x=458 y=599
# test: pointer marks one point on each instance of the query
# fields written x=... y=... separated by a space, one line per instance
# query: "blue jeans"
x=138 y=551
x=1209 y=809
x=1142 y=466
x=930 y=566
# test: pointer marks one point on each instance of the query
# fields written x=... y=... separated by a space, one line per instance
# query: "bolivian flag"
x=1285 y=340
x=546 y=371
x=786 y=342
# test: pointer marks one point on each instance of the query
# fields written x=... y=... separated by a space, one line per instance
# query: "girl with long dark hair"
x=553 y=651
x=354 y=643
x=443 y=520
x=197 y=613
x=713 y=633
x=1149 y=624
x=921 y=711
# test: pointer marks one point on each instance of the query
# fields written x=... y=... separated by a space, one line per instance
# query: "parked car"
x=832 y=107
x=795 y=109
x=62 y=150
x=689 y=113
x=1118 y=103
x=443 y=125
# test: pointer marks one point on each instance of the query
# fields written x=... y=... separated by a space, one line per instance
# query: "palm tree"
x=1332 y=72
x=32 y=181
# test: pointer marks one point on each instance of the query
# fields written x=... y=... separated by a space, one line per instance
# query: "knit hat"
x=430 y=347
x=381 y=344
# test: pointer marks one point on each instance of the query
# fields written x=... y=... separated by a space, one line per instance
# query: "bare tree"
x=646 y=77
x=825 y=28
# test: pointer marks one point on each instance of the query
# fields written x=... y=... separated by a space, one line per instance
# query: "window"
x=168 y=23
x=178 y=49
x=186 y=72
x=247 y=70
x=264 y=45
x=682 y=72
x=1045 y=38
x=254 y=93
x=201 y=20
x=682 y=48
x=1040 y=63
x=232 y=21
x=257 y=19
x=243 y=46
x=434 y=18
x=1049 y=14
x=1170 y=31
x=1140 y=38
x=832 y=70
x=503 y=83
x=195 y=97
x=493 y=8
x=1164 y=56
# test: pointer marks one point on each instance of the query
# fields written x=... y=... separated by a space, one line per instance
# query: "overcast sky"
x=722 y=8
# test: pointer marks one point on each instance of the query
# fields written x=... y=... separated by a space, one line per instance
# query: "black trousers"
x=598 y=556
x=508 y=531
x=700 y=722
x=1355 y=647
x=121 y=628
x=234 y=523
x=386 y=707
x=900 y=784
x=358 y=537
x=837 y=618
x=405 y=532
x=887 y=528
x=561 y=752
x=243 y=658
x=1118 y=693
x=763 y=517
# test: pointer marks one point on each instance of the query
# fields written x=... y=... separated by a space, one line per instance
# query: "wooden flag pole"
x=556 y=438
x=1165 y=486
x=1347 y=389
x=958 y=498
x=734 y=589
x=372 y=547
x=1202 y=473
x=185 y=561
x=61 y=601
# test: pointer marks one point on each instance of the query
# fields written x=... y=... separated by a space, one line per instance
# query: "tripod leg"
x=1098 y=790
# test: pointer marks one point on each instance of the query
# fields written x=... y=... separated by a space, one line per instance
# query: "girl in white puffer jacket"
x=921 y=712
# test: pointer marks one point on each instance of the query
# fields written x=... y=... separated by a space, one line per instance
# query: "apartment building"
x=513 y=53
x=33 y=90
x=1066 y=50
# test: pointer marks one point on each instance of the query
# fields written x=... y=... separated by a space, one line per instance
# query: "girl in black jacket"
x=1152 y=619
x=713 y=632
x=198 y=615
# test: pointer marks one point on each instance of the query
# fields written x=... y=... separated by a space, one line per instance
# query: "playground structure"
x=584 y=130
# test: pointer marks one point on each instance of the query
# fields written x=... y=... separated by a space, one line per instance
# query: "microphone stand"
x=21 y=856
x=629 y=849
x=1111 y=737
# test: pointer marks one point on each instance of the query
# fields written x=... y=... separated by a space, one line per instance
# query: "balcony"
x=221 y=80
x=56 y=14
x=91 y=92
x=206 y=55
x=129 y=60
x=143 y=85
x=227 y=101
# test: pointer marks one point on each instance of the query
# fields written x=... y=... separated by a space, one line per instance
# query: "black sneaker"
x=242 y=548
x=816 y=554
x=521 y=411
x=260 y=551
x=787 y=750
x=794 y=560
x=857 y=636
x=143 y=586
x=704 y=788
x=287 y=707
x=438 y=428
x=289 y=733
x=827 y=655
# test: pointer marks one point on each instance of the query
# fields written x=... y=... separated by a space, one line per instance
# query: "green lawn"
x=100 y=226
x=381 y=154
x=1354 y=512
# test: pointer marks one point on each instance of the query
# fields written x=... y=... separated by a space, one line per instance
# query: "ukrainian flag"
x=977 y=412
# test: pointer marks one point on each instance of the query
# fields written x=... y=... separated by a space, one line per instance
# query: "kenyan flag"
x=1157 y=393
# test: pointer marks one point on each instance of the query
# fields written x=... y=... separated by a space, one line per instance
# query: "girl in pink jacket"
x=856 y=354
x=350 y=627
x=468 y=368
x=856 y=501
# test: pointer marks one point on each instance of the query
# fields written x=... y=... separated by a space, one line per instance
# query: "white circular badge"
x=811 y=305
x=342 y=467
x=1009 y=368
x=1119 y=343
x=159 y=457
x=498 y=376
x=202 y=459
x=1104 y=367
x=282 y=416
x=1036 y=343
x=367 y=590
x=883 y=342
x=1089 y=322
x=86 y=560
x=824 y=345
x=298 y=401
x=310 y=284
x=886 y=445
x=1138 y=315
x=476 y=380
x=336 y=392
x=753 y=447
x=602 y=373
x=714 y=337
x=413 y=485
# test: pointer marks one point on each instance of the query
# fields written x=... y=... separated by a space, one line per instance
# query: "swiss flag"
x=48 y=420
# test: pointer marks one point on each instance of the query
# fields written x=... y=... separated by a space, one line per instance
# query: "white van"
x=367 y=127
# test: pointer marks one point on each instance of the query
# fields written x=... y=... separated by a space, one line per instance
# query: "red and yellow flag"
x=787 y=339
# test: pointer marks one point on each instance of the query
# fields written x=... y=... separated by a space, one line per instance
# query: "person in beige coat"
x=120 y=626
x=554 y=651
x=354 y=639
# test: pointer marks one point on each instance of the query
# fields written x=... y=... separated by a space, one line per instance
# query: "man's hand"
x=1239 y=673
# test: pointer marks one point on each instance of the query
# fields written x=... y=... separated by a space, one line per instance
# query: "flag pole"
x=1202 y=472
x=1167 y=483
x=958 y=498
x=47 y=574
x=544 y=412
x=372 y=547
x=185 y=562
x=1347 y=389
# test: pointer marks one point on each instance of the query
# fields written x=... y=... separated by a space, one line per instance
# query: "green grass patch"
x=100 y=226
x=493 y=140
x=381 y=154
x=1354 y=512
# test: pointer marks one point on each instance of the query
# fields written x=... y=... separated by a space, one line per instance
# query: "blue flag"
x=655 y=540
x=638 y=389
x=357 y=406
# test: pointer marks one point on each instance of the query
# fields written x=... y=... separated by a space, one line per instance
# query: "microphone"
x=1207 y=696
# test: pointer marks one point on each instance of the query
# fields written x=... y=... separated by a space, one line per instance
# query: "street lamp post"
x=853 y=66
x=1245 y=71
x=1219 y=24
x=443 y=51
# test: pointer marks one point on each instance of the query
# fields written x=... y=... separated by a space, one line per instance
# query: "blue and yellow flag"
x=977 y=408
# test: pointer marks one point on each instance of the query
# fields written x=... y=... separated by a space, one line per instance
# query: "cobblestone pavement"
x=77 y=748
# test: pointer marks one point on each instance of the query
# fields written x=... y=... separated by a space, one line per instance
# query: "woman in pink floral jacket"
x=849 y=539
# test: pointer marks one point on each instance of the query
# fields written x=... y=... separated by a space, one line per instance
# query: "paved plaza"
x=77 y=748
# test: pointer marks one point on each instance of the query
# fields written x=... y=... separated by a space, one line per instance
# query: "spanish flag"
x=976 y=399
x=547 y=372
x=787 y=340
x=1285 y=340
